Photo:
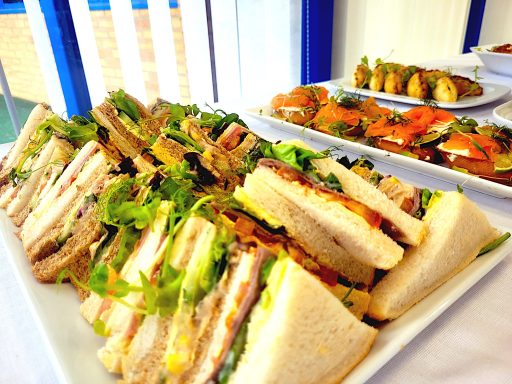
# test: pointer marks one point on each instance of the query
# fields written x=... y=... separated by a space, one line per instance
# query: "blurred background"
x=69 y=53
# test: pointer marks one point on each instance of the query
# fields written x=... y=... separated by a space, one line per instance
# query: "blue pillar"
x=317 y=22
x=67 y=55
x=474 y=26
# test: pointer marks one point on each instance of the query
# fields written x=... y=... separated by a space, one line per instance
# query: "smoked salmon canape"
x=400 y=134
x=345 y=116
x=485 y=153
x=300 y=105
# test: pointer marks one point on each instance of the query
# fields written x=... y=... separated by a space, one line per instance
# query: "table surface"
x=469 y=343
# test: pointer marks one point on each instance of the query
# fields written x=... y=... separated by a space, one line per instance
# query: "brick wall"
x=19 y=58
x=24 y=74
x=109 y=55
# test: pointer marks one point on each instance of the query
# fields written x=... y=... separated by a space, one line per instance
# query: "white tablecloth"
x=469 y=343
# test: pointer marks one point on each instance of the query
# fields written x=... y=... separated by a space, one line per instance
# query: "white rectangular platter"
x=73 y=344
x=491 y=93
x=264 y=113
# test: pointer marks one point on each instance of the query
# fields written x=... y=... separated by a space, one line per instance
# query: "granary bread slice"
x=458 y=229
x=129 y=143
x=411 y=230
x=74 y=254
x=300 y=333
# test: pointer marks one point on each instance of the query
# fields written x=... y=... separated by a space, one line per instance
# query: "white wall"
x=497 y=22
x=270 y=46
x=404 y=31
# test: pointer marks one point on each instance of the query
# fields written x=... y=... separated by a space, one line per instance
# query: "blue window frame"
x=102 y=5
x=17 y=6
x=11 y=6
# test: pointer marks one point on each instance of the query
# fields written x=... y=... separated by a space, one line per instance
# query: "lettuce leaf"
x=298 y=158
x=124 y=104
x=128 y=240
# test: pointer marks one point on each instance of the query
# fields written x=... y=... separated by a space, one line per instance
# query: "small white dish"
x=503 y=113
x=500 y=63
x=491 y=93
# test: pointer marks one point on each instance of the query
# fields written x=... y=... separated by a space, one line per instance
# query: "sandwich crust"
x=74 y=254
x=168 y=151
x=458 y=229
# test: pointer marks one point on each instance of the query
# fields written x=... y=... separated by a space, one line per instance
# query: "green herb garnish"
x=493 y=245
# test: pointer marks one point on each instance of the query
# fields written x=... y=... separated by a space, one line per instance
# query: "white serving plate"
x=503 y=113
x=500 y=63
x=395 y=335
x=491 y=92
x=70 y=340
x=73 y=345
x=264 y=113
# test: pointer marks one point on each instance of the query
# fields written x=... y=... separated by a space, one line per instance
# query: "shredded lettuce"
x=214 y=265
x=168 y=289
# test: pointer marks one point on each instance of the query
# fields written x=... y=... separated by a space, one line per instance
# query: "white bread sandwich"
x=258 y=294
x=142 y=358
x=51 y=147
x=337 y=230
x=121 y=321
x=458 y=229
x=252 y=232
x=35 y=118
x=18 y=200
x=405 y=228
x=161 y=231
x=296 y=332
x=49 y=225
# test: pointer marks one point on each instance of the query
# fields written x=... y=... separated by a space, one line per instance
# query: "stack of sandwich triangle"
x=203 y=253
